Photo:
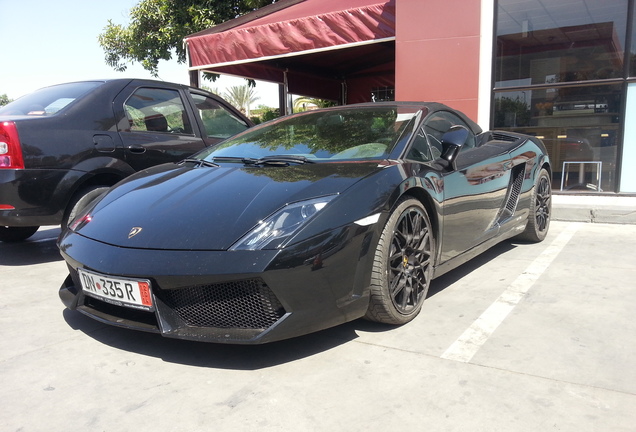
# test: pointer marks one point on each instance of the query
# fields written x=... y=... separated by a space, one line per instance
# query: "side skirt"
x=477 y=250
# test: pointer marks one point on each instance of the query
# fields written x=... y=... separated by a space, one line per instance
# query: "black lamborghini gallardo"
x=303 y=223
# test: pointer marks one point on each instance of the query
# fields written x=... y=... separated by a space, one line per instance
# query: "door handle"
x=136 y=149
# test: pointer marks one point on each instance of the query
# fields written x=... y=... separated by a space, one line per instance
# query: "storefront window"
x=552 y=41
x=577 y=124
x=559 y=75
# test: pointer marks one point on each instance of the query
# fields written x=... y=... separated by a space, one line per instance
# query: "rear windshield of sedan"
x=48 y=100
x=331 y=135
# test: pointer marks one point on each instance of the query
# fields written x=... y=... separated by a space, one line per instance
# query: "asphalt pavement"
x=526 y=337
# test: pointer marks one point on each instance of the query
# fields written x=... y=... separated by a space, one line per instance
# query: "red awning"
x=331 y=49
x=303 y=27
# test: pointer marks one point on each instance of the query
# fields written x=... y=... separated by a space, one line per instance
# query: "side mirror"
x=452 y=142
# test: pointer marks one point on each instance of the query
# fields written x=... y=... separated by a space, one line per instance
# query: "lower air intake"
x=246 y=304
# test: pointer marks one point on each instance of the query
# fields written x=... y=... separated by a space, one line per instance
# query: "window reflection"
x=549 y=42
x=556 y=78
x=576 y=124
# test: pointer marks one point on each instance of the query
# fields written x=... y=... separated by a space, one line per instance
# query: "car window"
x=217 y=120
x=329 y=136
x=420 y=149
x=157 y=110
x=48 y=100
x=438 y=124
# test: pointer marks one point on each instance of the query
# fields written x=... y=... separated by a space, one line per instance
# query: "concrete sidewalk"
x=594 y=208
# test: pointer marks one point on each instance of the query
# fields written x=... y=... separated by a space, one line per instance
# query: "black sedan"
x=303 y=223
x=61 y=146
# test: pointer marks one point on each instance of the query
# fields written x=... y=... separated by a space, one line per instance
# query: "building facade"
x=562 y=70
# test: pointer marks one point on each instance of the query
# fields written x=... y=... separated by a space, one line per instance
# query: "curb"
x=594 y=209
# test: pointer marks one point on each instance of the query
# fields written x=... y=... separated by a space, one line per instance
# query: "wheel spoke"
x=406 y=294
x=397 y=285
x=423 y=241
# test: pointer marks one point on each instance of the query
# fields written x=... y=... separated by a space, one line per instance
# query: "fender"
x=99 y=170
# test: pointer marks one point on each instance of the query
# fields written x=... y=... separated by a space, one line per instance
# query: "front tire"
x=403 y=265
x=540 y=209
x=16 y=234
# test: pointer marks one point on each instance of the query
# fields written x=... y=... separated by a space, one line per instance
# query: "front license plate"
x=134 y=293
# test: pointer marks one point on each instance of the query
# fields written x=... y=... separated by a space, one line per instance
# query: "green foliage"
x=270 y=114
x=301 y=104
x=157 y=29
x=511 y=112
x=241 y=97
x=4 y=99
x=264 y=113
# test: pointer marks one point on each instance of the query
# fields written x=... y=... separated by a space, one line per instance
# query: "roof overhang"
x=326 y=41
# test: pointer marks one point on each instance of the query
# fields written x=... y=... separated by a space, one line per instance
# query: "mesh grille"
x=246 y=304
x=515 y=188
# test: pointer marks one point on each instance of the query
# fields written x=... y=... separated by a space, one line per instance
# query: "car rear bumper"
x=32 y=196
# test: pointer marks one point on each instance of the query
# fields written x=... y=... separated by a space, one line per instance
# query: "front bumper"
x=242 y=297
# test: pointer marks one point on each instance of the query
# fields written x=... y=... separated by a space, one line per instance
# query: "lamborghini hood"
x=208 y=208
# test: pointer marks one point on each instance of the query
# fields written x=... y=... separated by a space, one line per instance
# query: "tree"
x=511 y=112
x=157 y=29
x=4 y=99
x=241 y=97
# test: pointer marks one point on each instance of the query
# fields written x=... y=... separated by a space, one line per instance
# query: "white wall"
x=628 y=166
x=485 y=62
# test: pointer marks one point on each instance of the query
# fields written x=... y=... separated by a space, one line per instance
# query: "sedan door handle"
x=136 y=149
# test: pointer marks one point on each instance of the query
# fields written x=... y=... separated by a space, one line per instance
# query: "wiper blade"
x=249 y=161
x=283 y=160
x=199 y=162
x=279 y=160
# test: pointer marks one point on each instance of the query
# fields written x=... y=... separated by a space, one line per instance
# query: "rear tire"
x=16 y=234
x=80 y=200
x=540 y=209
x=403 y=265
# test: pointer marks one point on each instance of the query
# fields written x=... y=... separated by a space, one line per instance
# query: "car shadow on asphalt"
x=253 y=357
x=439 y=284
x=212 y=355
x=39 y=249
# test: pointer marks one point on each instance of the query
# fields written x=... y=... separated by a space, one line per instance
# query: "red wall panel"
x=437 y=52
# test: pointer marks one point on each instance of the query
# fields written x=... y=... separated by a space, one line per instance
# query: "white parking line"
x=467 y=345
x=43 y=240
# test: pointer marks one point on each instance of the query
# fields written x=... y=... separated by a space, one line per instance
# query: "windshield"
x=48 y=100
x=329 y=135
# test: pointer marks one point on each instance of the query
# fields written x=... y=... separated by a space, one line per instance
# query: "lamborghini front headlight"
x=272 y=232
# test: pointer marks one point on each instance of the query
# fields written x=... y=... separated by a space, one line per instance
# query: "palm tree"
x=242 y=97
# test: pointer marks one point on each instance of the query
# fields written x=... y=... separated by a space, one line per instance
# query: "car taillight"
x=10 y=148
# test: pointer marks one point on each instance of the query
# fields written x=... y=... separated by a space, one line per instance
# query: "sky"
x=48 y=42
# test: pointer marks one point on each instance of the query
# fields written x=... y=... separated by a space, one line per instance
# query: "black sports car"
x=303 y=223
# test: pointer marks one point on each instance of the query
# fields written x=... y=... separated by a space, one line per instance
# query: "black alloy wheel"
x=403 y=265
x=540 y=209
